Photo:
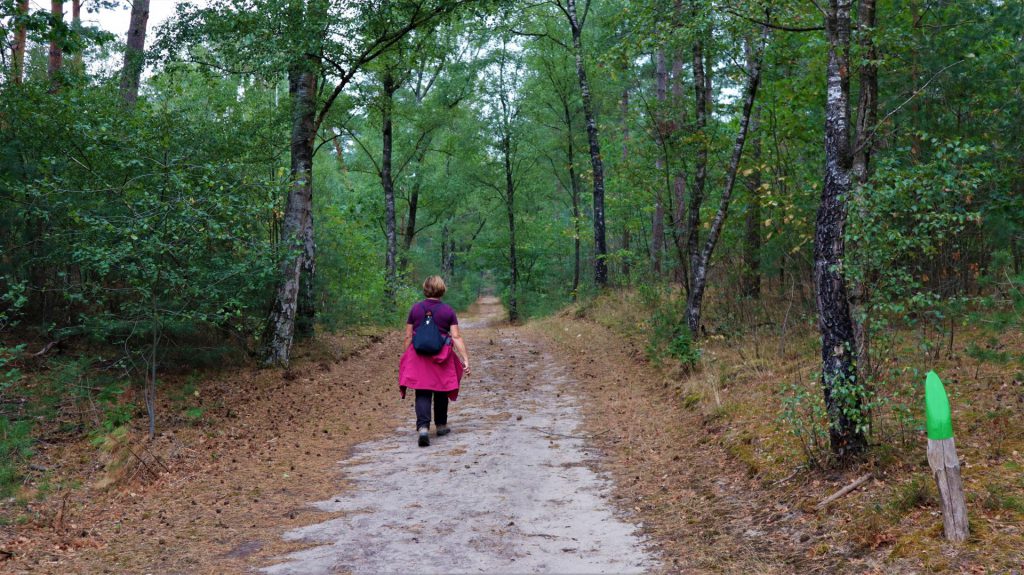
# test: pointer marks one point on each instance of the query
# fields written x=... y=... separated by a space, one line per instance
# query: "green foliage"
x=15 y=447
x=803 y=416
x=150 y=240
x=350 y=282
x=909 y=231
x=906 y=218
x=15 y=442
x=853 y=400
x=117 y=416
x=991 y=352
x=668 y=334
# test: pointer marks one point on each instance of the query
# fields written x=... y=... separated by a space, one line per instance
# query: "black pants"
x=423 y=397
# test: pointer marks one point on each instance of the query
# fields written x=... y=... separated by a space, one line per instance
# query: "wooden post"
x=943 y=460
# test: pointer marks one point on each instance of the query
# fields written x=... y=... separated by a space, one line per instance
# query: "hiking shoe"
x=443 y=430
x=424 y=437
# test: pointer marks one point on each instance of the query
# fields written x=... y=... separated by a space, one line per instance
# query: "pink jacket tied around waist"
x=441 y=372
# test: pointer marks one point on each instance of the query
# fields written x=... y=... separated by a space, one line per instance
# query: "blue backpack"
x=428 y=339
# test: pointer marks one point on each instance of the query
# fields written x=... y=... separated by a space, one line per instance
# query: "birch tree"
x=577 y=22
x=841 y=387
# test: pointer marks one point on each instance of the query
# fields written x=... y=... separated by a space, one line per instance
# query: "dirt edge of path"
x=268 y=444
x=700 y=507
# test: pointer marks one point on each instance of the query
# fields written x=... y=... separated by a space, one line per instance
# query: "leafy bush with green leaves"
x=158 y=223
x=803 y=416
x=15 y=441
x=668 y=334
x=909 y=217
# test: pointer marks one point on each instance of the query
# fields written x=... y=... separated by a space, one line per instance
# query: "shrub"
x=668 y=334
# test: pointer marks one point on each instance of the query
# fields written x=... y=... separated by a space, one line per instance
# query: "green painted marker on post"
x=939 y=421
x=943 y=460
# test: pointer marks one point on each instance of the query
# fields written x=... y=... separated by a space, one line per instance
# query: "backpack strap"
x=426 y=312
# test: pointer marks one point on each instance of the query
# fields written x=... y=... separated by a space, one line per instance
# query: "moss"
x=741 y=447
x=692 y=399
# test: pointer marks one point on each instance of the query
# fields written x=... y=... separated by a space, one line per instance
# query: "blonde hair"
x=434 y=286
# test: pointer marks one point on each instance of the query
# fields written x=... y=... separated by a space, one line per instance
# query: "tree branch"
x=916 y=93
x=766 y=24
x=359 y=142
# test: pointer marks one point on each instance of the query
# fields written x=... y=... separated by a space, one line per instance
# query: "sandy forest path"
x=510 y=490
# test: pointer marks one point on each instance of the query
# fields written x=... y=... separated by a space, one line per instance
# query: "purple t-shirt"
x=444 y=315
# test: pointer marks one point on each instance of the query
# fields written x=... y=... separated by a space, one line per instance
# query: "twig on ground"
x=45 y=349
x=546 y=432
x=157 y=459
x=788 y=477
x=854 y=485
x=58 y=519
x=142 y=461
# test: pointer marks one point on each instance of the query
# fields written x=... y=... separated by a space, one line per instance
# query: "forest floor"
x=570 y=452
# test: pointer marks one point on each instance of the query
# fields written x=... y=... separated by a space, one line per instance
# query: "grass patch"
x=15 y=448
x=998 y=498
x=920 y=491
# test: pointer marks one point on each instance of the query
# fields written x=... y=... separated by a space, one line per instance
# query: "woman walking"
x=435 y=375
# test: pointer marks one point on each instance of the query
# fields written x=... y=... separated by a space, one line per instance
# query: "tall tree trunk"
x=679 y=181
x=20 y=41
x=576 y=241
x=700 y=267
x=916 y=42
x=838 y=352
x=390 y=270
x=867 y=117
x=339 y=151
x=574 y=194
x=600 y=247
x=135 y=52
x=447 y=253
x=624 y=110
x=414 y=200
x=281 y=323
x=55 y=60
x=513 y=308
x=660 y=126
x=305 y=320
x=700 y=177
x=76 y=25
x=751 y=283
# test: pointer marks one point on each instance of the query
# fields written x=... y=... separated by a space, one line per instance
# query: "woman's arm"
x=460 y=347
x=408 y=336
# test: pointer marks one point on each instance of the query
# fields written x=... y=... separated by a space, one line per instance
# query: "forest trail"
x=510 y=490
